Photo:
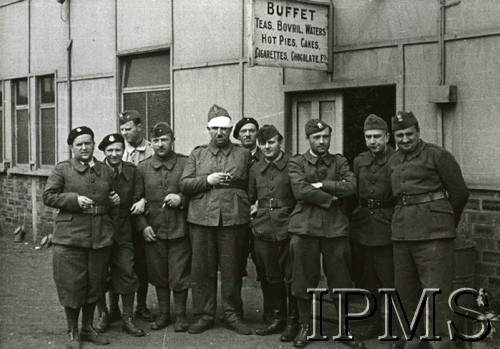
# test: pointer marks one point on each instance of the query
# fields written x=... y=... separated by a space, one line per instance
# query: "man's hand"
x=114 y=198
x=219 y=178
x=317 y=185
x=253 y=209
x=148 y=234
x=139 y=207
x=84 y=202
x=172 y=200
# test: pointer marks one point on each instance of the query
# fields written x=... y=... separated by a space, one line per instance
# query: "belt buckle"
x=403 y=199
x=271 y=200
x=370 y=203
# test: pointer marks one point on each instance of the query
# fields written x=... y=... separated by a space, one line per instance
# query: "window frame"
x=2 y=126
x=14 y=111
x=39 y=106
x=144 y=89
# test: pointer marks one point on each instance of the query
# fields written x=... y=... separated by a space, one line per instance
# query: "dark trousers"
x=215 y=247
x=79 y=274
x=307 y=253
x=273 y=258
x=121 y=266
x=169 y=263
x=426 y=264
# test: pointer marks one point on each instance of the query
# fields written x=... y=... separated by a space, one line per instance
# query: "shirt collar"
x=141 y=147
x=313 y=158
x=215 y=149
x=380 y=160
x=168 y=162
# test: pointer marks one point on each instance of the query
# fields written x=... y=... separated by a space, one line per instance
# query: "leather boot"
x=278 y=300
x=128 y=325
x=267 y=314
x=114 y=308
x=292 y=321
x=301 y=340
x=73 y=339
x=357 y=344
x=180 y=299
x=163 y=320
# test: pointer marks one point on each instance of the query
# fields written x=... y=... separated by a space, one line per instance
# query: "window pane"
x=22 y=140
x=48 y=137
x=158 y=107
x=1 y=136
x=47 y=93
x=147 y=70
x=136 y=101
x=21 y=92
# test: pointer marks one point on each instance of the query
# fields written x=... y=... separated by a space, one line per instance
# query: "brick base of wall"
x=21 y=204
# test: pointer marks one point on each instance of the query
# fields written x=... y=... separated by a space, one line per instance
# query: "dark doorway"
x=358 y=104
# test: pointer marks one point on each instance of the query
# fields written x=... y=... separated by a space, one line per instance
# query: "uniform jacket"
x=213 y=206
x=129 y=187
x=72 y=227
x=428 y=169
x=142 y=152
x=372 y=227
x=270 y=180
x=160 y=178
x=257 y=156
x=318 y=212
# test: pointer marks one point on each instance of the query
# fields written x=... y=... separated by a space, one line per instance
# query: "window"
x=146 y=87
x=46 y=120
x=21 y=122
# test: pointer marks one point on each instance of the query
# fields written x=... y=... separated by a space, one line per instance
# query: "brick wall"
x=17 y=203
x=481 y=224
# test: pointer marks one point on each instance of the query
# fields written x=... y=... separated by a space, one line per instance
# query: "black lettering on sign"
x=289 y=11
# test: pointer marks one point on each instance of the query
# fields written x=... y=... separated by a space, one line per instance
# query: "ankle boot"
x=163 y=319
x=114 y=308
x=301 y=339
x=128 y=325
x=180 y=300
x=102 y=311
x=277 y=297
x=292 y=321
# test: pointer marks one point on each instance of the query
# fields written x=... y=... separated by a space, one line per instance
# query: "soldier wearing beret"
x=371 y=220
x=319 y=225
x=80 y=189
x=137 y=148
x=216 y=179
x=431 y=195
x=245 y=131
x=269 y=188
x=164 y=227
x=128 y=184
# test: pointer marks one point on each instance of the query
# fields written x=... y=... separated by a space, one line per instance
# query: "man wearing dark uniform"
x=83 y=233
x=164 y=227
x=371 y=220
x=216 y=179
x=137 y=148
x=319 y=225
x=431 y=195
x=269 y=188
x=128 y=185
x=245 y=131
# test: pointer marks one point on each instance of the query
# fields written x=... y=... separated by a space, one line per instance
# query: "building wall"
x=376 y=42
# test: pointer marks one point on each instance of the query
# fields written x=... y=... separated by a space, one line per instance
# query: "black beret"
x=315 y=125
x=403 y=120
x=374 y=122
x=78 y=131
x=266 y=132
x=242 y=123
x=161 y=128
x=129 y=115
x=110 y=139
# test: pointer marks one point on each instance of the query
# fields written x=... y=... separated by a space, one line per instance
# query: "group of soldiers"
x=147 y=214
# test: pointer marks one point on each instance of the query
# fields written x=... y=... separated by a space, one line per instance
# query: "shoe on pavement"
x=200 y=326
x=89 y=334
x=129 y=327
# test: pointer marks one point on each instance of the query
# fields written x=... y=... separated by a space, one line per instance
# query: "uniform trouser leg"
x=140 y=269
x=426 y=264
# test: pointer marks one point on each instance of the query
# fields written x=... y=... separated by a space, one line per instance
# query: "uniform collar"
x=141 y=147
x=82 y=167
x=215 y=149
x=258 y=155
x=313 y=159
x=369 y=158
x=168 y=162
x=280 y=163
x=122 y=169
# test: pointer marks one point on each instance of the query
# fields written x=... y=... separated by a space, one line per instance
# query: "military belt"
x=373 y=203
x=272 y=203
x=228 y=186
x=408 y=200
x=97 y=210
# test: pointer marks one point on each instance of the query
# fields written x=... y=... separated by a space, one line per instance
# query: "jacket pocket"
x=64 y=217
x=441 y=206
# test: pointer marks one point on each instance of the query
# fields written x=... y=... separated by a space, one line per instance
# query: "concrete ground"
x=31 y=317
